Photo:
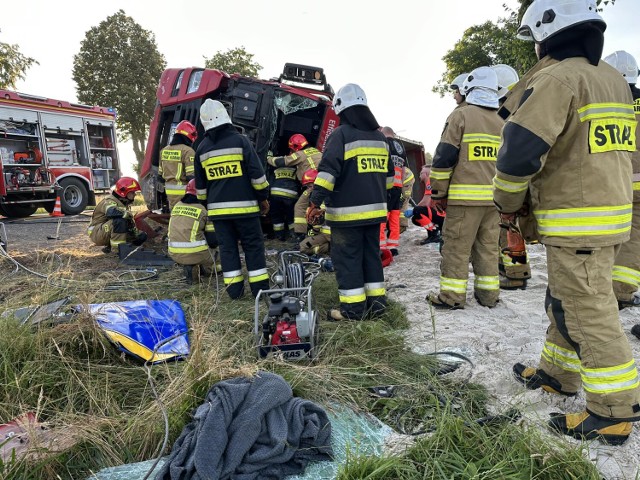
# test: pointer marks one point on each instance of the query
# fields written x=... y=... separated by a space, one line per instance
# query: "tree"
x=491 y=43
x=234 y=60
x=13 y=65
x=119 y=65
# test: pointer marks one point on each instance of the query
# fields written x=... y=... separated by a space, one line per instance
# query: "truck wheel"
x=18 y=211
x=74 y=196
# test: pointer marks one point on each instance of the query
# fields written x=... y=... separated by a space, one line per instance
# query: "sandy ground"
x=495 y=339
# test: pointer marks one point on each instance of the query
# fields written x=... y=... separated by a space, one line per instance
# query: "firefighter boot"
x=587 y=426
x=507 y=283
x=106 y=249
x=533 y=379
x=633 y=302
x=435 y=300
x=635 y=330
x=188 y=274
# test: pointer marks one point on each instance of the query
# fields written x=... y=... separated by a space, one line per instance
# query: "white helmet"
x=213 y=114
x=625 y=64
x=348 y=96
x=480 y=77
x=545 y=18
x=457 y=82
x=507 y=77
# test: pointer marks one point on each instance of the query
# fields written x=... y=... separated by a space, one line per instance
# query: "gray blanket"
x=250 y=429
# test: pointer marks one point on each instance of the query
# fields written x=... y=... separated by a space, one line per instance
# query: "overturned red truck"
x=267 y=111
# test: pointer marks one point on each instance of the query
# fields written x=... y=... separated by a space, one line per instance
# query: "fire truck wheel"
x=18 y=210
x=74 y=196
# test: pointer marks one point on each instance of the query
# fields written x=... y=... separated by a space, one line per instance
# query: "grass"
x=75 y=380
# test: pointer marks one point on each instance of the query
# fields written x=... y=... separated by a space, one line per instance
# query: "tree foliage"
x=119 y=65
x=13 y=65
x=491 y=43
x=234 y=60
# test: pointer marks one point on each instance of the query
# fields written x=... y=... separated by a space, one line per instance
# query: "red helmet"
x=297 y=142
x=125 y=185
x=191 y=187
x=187 y=129
x=309 y=176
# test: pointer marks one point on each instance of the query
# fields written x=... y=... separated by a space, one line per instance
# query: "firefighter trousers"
x=113 y=232
x=281 y=210
x=355 y=252
x=470 y=232
x=300 y=213
x=585 y=344
x=247 y=230
x=626 y=269
x=318 y=244
x=173 y=200
x=514 y=274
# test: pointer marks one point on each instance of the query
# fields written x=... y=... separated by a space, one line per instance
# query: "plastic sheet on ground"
x=353 y=434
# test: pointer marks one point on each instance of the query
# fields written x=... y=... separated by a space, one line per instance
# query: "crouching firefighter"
x=315 y=239
x=112 y=222
x=191 y=235
x=353 y=178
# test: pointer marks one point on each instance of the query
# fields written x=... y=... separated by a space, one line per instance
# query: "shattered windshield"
x=288 y=102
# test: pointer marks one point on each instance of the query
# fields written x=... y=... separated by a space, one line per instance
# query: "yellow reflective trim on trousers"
x=259 y=278
x=176 y=191
x=376 y=292
x=636 y=185
x=508 y=186
x=321 y=182
x=222 y=159
x=353 y=298
x=347 y=217
x=201 y=248
x=300 y=220
x=561 y=357
x=354 y=152
x=606 y=110
x=487 y=282
x=455 y=285
x=470 y=192
x=573 y=222
x=440 y=175
x=611 y=379
x=236 y=279
x=626 y=275
x=232 y=211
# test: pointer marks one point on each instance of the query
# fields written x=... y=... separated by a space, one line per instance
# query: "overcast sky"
x=394 y=53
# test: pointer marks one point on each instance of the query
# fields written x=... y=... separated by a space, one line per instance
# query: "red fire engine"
x=50 y=148
x=267 y=111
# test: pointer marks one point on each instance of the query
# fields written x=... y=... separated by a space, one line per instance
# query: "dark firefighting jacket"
x=570 y=143
x=284 y=183
x=353 y=177
x=464 y=162
x=229 y=174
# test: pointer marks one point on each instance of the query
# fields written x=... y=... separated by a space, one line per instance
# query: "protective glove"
x=140 y=239
x=264 y=207
x=440 y=204
x=314 y=214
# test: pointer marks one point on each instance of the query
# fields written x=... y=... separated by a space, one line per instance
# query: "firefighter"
x=461 y=176
x=176 y=162
x=230 y=177
x=515 y=270
x=408 y=179
x=626 y=269
x=455 y=87
x=317 y=240
x=191 y=235
x=112 y=222
x=285 y=188
x=353 y=178
x=303 y=158
x=561 y=144
x=398 y=156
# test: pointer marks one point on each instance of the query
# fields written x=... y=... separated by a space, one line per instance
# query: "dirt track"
x=25 y=235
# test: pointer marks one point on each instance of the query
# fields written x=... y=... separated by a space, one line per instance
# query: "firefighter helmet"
x=213 y=114
x=349 y=96
x=625 y=64
x=126 y=185
x=309 y=176
x=191 y=187
x=507 y=77
x=457 y=82
x=187 y=129
x=480 y=77
x=297 y=142
x=545 y=18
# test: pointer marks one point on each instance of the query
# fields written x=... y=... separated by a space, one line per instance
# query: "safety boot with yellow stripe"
x=534 y=378
x=588 y=426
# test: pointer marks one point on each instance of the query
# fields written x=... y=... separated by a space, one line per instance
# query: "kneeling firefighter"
x=112 y=222
x=191 y=235
x=318 y=237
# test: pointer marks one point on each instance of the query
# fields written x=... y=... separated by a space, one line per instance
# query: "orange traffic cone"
x=57 y=209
